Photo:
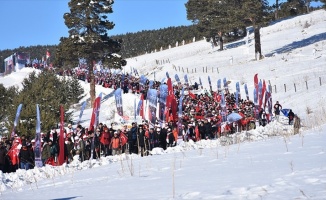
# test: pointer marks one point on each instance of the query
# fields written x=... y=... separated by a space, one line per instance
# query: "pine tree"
x=257 y=12
x=211 y=17
x=6 y=99
x=49 y=91
x=88 y=38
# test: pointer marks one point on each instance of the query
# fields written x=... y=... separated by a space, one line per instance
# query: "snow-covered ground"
x=266 y=163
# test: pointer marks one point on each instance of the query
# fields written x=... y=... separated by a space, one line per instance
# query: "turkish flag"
x=123 y=138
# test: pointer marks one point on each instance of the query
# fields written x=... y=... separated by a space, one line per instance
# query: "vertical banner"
x=177 y=78
x=210 y=84
x=256 y=83
x=162 y=101
x=237 y=93
x=219 y=88
x=186 y=80
x=260 y=94
x=118 y=101
x=256 y=103
x=37 y=147
x=19 y=108
x=140 y=107
x=95 y=114
x=225 y=84
x=200 y=83
x=61 y=156
x=223 y=110
x=264 y=90
x=152 y=98
x=167 y=75
x=180 y=116
x=142 y=83
x=81 y=112
x=246 y=90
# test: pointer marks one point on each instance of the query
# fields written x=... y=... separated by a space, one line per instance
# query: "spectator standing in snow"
x=296 y=124
x=3 y=152
x=277 y=110
x=26 y=157
x=291 y=117
x=46 y=152
x=115 y=144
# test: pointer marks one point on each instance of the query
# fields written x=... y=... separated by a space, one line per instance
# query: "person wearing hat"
x=115 y=144
x=277 y=110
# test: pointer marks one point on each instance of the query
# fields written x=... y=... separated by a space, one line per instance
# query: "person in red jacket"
x=115 y=144
x=105 y=141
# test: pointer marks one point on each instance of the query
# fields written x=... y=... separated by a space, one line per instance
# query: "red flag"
x=13 y=153
x=174 y=108
x=61 y=157
x=123 y=138
x=256 y=83
x=263 y=92
x=197 y=133
x=94 y=113
x=192 y=95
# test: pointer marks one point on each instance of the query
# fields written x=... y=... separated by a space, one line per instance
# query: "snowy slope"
x=265 y=163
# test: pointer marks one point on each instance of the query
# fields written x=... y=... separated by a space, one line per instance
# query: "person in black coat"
x=162 y=137
x=3 y=153
x=170 y=137
x=25 y=157
x=132 y=138
x=201 y=129
x=208 y=129
x=141 y=141
x=291 y=117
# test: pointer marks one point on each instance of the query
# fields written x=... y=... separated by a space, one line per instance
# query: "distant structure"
x=15 y=62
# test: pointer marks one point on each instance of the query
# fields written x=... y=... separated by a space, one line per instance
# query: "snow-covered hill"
x=279 y=167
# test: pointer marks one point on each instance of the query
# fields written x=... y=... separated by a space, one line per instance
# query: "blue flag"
x=37 y=145
x=19 y=108
x=81 y=112
x=247 y=93
x=118 y=101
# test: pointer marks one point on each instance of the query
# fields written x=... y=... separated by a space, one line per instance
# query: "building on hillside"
x=15 y=62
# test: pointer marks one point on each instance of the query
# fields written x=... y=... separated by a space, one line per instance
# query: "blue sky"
x=40 y=22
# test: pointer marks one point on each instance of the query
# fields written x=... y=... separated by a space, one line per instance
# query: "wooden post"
x=295 y=88
x=187 y=70
x=284 y=87
x=275 y=89
x=206 y=69
x=203 y=69
x=307 y=85
x=195 y=70
x=320 y=81
x=217 y=70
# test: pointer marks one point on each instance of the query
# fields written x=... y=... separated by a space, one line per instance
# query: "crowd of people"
x=203 y=117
